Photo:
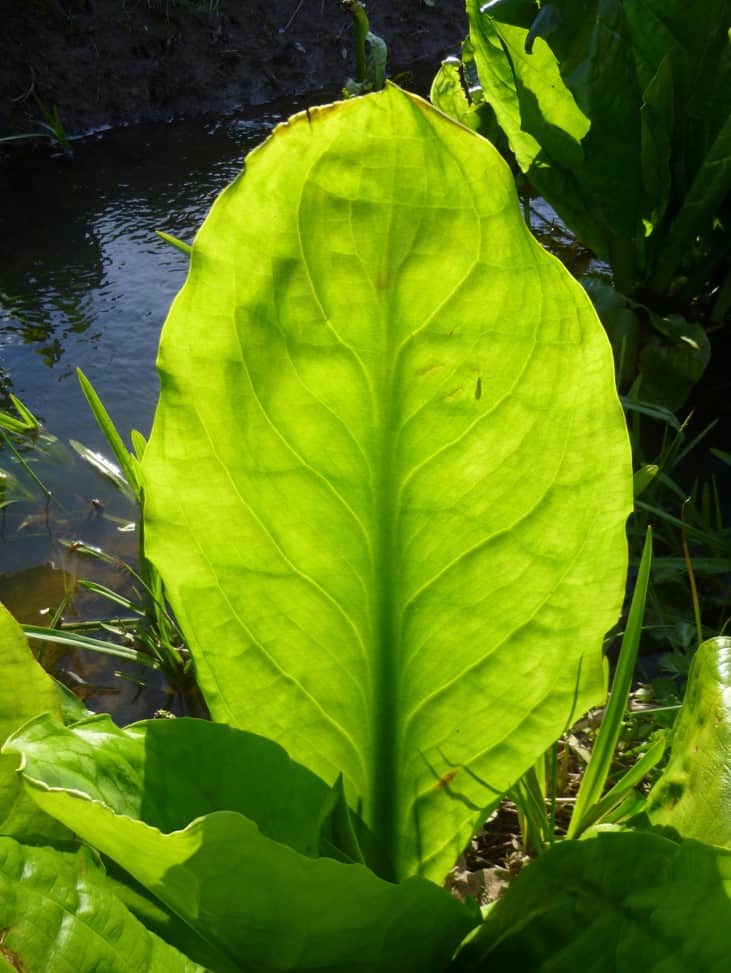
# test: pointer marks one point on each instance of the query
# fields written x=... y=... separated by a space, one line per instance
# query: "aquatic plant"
x=370 y=53
x=386 y=488
x=618 y=114
x=147 y=624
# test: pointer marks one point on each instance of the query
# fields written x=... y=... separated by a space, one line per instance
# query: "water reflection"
x=85 y=282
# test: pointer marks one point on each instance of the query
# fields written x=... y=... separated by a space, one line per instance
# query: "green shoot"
x=600 y=764
x=84 y=642
x=126 y=461
x=174 y=242
x=691 y=576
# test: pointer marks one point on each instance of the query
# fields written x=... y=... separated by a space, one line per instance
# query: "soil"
x=112 y=62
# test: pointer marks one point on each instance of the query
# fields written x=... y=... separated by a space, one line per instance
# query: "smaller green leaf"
x=618 y=902
x=337 y=833
x=673 y=360
x=58 y=913
x=694 y=793
x=533 y=105
x=376 y=60
x=145 y=772
x=25 y=691
x=142 y=796
x=72 y=708
x=448 y=94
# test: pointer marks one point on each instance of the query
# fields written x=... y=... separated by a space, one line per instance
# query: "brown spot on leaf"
x=9 y=955
x=445 y=781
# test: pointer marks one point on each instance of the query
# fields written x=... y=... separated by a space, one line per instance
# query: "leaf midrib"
x=385 y=721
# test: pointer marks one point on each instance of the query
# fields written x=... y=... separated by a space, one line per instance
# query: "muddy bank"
x=112 y=62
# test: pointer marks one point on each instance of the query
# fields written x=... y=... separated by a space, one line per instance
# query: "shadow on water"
x=84 y=281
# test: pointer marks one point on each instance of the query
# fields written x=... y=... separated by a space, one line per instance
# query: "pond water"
x=85 y=282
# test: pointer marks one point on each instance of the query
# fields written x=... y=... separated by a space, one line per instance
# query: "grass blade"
x=101 y=589
x=631 y=779
x=598 y=768
x=26 y=466
x=84 y=642
x=104 y=466
x=124 y=458
x=174 y=242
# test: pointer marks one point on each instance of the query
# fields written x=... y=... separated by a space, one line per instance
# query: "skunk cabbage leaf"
x=618 y=111
x=388 y=476
x=222 y=829
x=59 y=913
x=613 y=903
x=25 y=691
x=693 y=795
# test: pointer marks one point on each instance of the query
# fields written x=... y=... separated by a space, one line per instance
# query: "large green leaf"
x=651 y=80
x=710 y=187
x=389 y=473
x=168 y=772
x=25 y=691
x=58 y=913
x=141 y=796
x=615 y=903
x=561 y=104
x=694 y=793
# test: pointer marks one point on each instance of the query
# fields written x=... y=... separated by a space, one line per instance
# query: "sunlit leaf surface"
x=388 y=477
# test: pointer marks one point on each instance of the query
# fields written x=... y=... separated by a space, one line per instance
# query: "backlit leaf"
x=388 y=477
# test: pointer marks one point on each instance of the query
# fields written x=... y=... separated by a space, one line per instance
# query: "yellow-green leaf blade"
x=388 y=477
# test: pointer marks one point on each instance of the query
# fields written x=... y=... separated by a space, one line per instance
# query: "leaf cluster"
x=617 y=112
x=386 y=488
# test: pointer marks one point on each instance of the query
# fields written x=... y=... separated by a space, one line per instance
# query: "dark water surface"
x=85 y=282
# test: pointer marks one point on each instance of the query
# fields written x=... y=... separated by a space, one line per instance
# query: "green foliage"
x=243 y=826
x=592 y=806
x=370 y=53
x=619 y=114
x=386 y=488
x=397 y=514
x=597 y=771
x=694 y=796
x=51 y=128
x=613 y=903
x=25 y=691
x=60 y=913
x=157 y=641
x=691 y=534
